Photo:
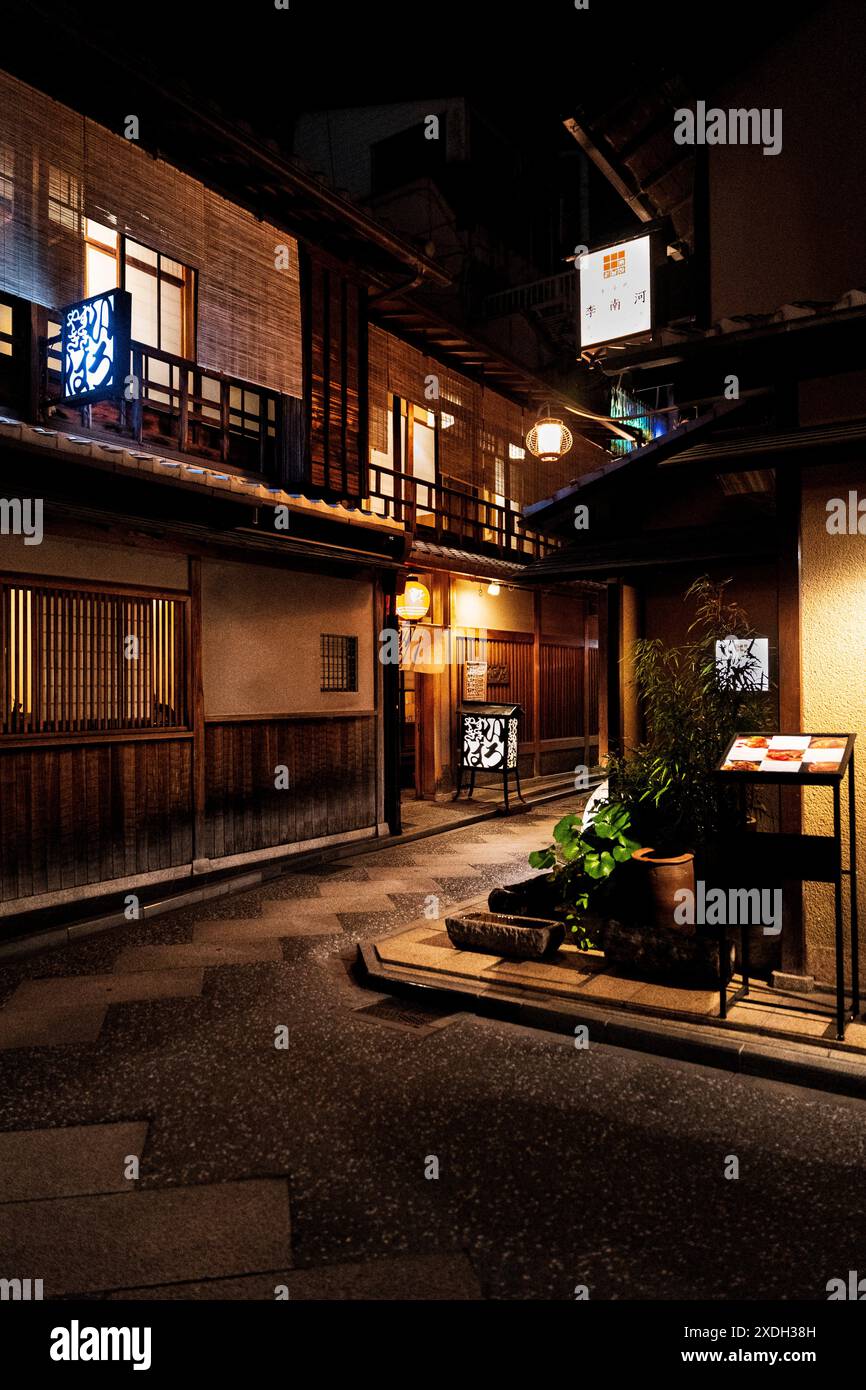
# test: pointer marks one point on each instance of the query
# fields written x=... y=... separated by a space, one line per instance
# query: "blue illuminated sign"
x=95 y=346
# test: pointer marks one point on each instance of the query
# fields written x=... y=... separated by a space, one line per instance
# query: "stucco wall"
x=110 y=564
x=833 y=627
x=511 y=610
x=261 y=639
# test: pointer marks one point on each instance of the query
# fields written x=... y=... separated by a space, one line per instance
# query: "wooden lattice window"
x=86 y=660
x=339 y=662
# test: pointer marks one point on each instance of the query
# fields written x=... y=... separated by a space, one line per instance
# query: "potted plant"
x=580 y=863
x=692 y=706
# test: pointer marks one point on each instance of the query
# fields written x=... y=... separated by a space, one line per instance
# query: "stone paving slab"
x=197 y=953
x=68 y=1162
x=243 y=929
x=388 y=872
x=415 y=1277
x=348 y=900
x=50 y=1027
x=410 y=881
x=93 y=1244
x=75 y=991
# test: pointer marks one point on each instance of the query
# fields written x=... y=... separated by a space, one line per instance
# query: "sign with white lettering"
x=615 y=292
x=95 y=336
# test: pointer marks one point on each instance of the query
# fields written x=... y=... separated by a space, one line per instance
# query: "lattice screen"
x=65 y=168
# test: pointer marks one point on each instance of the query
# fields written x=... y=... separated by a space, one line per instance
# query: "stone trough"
x=518 y=938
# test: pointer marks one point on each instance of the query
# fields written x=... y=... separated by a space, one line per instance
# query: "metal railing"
x=555 y=293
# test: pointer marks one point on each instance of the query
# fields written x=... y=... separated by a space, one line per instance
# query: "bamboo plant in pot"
x=691 y=707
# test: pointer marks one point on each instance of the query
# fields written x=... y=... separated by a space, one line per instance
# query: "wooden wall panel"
x=81 y=814
x=562 y=702
x=335 y=333
x=331 y=773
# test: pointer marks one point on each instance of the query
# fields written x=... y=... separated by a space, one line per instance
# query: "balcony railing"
x=453 y=515
x=176 y=404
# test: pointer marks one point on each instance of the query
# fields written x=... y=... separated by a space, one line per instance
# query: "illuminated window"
x=76 y=661
x=101 y=258
x=64 y=199
x=5 y=330
x=162 y=299
x=163 y=290
x=7 y=185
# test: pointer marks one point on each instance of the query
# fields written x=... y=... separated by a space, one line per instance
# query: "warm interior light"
x=414 y=600
x=493 y=588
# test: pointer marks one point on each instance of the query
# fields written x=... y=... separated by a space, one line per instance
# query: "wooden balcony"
x=453 y=514
x=179 y=408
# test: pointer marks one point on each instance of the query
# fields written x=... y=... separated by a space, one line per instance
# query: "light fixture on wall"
x=493 y=588
x=549 y=437
x=414 y=600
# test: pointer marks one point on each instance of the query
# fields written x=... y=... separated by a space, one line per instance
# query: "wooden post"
x=536 y=684
x=788 y=505
x=391 y=710
x=196 y=712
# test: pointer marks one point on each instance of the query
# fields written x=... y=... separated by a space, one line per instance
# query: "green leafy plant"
x=691 y=707
x=582 y=859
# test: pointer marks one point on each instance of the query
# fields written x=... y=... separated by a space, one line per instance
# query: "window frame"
x=124 y=732
x=189 y=317
x=350 y=658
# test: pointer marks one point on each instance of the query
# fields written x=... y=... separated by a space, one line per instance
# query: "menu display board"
x=788 y=755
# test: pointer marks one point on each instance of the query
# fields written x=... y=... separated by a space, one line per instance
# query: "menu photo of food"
x=808 y=753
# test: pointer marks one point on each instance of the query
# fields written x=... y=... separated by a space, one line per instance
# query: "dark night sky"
x=533 y=63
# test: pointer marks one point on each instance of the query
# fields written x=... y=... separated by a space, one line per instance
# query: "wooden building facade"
x=191 y=626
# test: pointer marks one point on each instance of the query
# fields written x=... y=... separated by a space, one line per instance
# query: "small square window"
x=339 y=662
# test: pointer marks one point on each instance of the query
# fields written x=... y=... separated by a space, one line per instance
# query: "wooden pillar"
x=788 y=507
x=200 y=843
x=629 y=631
x=602 y=667
x=535 y=732
x=391 y=710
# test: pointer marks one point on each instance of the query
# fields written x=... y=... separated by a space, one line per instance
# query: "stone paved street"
x=304 y=1166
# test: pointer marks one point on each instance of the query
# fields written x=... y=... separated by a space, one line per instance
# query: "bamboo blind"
x=478 y=428
x=66 y=168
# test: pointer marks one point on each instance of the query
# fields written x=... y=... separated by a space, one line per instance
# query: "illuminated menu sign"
x=95 y=336
x=488 y=737
x=788 y=755
x=615 y=292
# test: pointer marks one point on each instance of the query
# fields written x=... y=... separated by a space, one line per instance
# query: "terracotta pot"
x=665 y=877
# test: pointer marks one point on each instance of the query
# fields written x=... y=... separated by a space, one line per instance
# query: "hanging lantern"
x=549 y=437
x=493 y=588
x=414 y=600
